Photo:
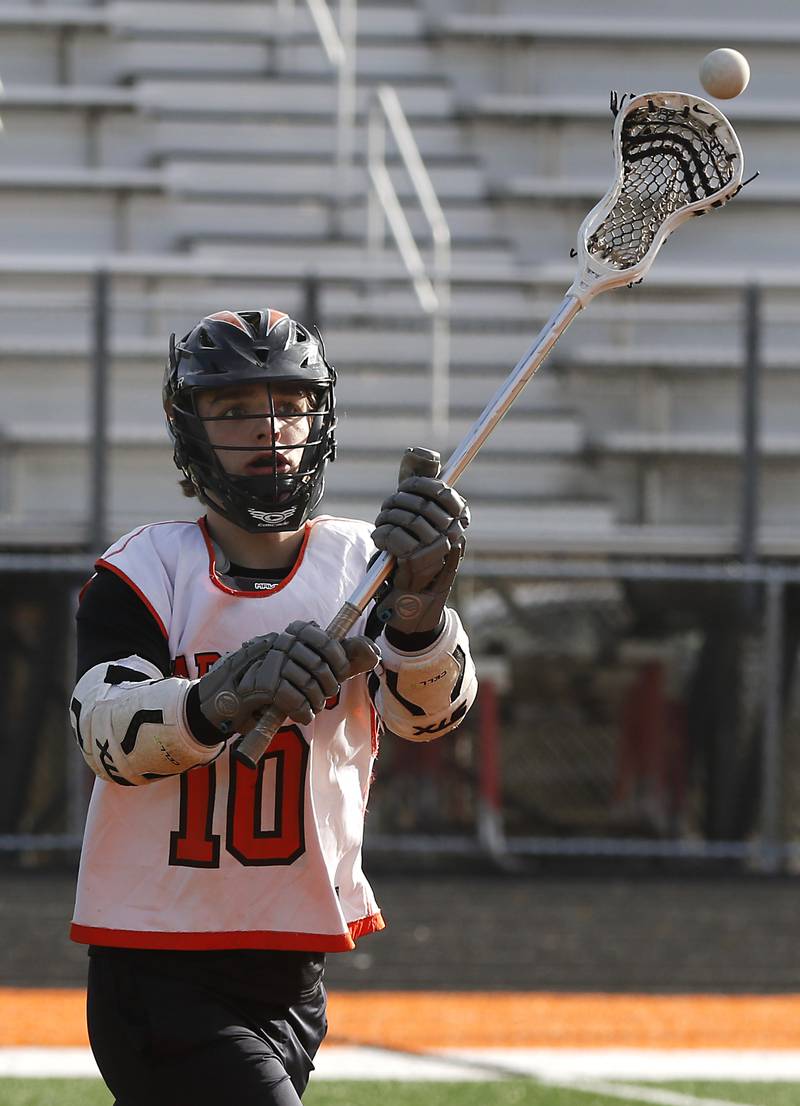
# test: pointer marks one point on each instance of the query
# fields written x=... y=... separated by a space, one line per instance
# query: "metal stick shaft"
x=253 y=746
x=503 y=398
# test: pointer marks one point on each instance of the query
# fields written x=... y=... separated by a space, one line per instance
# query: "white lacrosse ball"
x=724 y=73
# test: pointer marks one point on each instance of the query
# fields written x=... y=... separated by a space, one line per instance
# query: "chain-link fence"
x=629 y=709
x=625 y=709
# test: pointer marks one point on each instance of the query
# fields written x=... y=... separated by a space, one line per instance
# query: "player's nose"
x=270 y=427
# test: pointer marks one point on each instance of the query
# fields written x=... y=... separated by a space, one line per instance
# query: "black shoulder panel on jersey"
x=119 y=674
x=113 y=622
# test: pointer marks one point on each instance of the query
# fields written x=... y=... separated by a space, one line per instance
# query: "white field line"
x=381 y=1063
x=645 y=1065
x=655 y=1095
x=31 y=1063
x=594 y=1070
x=331 y=1063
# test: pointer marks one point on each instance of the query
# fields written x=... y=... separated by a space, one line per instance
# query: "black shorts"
x=160 y=1041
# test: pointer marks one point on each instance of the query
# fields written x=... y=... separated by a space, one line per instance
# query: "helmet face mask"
x=285 y=385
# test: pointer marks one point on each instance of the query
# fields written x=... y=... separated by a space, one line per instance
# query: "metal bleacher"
x=190 y=156
x=660 y=389
x=188 y=153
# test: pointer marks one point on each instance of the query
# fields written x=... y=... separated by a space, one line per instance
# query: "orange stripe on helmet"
x=274 y=317
x=232 y=318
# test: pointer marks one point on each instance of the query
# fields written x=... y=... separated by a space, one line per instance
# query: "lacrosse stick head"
x=676 y=156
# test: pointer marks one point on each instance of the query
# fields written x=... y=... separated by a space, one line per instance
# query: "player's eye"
x=234 y=411
x=289 y=408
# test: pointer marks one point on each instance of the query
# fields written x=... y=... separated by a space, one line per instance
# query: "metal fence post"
x=77 y=776
x=98 y=447
x=770 y=821
x=346 y=113
x=751 y=395
x=310 y=311
x=440 y=353
x=284 y=26
x=376 y=153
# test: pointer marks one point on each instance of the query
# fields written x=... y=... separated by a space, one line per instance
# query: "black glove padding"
x=422 y=525
x=295 y=671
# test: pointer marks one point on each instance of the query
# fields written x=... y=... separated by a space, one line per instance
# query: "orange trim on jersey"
x=147 y=526
x=371 y=924
x=250 y=594
x=130 y=537
x=101 y=563
x=82 y=592
x=374 y=729
x=238 y=939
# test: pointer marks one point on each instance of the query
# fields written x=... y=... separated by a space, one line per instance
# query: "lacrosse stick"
x=676 y=156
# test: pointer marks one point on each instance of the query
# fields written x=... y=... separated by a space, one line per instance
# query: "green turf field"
x=754 y=1094
x=513 y=1092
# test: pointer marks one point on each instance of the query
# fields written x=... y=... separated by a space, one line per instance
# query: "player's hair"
x=187 y=487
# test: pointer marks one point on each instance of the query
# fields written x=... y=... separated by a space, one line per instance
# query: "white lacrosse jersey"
x=224 y=856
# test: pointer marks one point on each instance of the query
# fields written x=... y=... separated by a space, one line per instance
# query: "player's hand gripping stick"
x=416 y=461
x=676 y=156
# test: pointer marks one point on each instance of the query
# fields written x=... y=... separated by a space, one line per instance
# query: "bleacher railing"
x=431 y=284
x=338 y=38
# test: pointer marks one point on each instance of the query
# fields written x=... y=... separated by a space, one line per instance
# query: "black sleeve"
x=113 y=622
x=414 y=643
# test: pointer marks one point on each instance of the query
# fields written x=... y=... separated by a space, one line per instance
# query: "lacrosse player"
x=209 y=891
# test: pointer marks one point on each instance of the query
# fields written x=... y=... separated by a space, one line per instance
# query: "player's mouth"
x=267 y=464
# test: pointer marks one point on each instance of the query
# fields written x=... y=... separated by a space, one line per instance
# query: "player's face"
x=255 y=428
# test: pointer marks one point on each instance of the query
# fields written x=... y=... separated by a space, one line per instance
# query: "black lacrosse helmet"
x=240 y=347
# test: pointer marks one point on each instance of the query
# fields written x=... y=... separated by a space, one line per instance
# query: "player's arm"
x=130 y=716
x=426 y=682
x=135 y=723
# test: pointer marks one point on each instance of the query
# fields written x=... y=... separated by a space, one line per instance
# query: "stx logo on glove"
x=437 y=727
x=108 y=764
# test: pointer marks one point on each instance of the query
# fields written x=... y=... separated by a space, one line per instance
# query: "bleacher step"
x=276 y=135
x=268 y=175
x=304 y=218
x=245 y=20
x=239 y=96
x=156 y=54
x=330 y=257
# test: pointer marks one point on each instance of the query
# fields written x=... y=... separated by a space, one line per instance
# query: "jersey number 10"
x=194 y=845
